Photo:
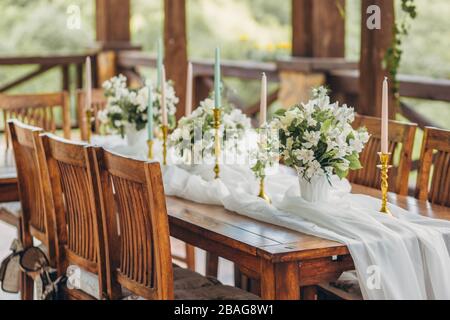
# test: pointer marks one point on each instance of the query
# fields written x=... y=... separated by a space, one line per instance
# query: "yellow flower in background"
x=284 y=45
x=270 y=47
x=244 y=37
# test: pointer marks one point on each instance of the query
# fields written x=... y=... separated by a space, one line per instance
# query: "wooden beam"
x=374 y=44
x=113 y=23
x=318 y=28
x=175 y=42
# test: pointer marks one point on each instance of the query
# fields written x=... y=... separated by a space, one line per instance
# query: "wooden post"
x=374 y=44
x=175 y=42
x=318 y=28
x=113 y=23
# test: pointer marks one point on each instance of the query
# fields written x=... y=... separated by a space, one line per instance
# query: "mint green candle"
x=159 y=62
x=217 y=84
x=150 y=113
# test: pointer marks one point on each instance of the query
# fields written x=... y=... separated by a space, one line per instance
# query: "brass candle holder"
x=262 y=193
x=384 y=167
x=150 y=149
x=89 y=124
x=217 y=142
x=165 y=131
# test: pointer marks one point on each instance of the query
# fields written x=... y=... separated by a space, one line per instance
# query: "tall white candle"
x=88 y=84
x=263 y=106
x=189 y=90
x=163 y=96
x=385 y=117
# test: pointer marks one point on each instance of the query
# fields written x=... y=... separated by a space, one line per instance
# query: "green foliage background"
x=245 y=29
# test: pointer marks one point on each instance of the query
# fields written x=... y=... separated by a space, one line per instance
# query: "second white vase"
x=133 y=136
x=315 y=190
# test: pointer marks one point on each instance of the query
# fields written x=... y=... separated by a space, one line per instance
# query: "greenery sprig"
x=394 y=53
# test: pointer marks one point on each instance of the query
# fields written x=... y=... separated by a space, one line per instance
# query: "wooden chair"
x=73 y=201
x=37 y=110
x=98 y=103
x=435 y=153
x=140 y=259
x=401 y=139
x=137 y=235
x=35 y=223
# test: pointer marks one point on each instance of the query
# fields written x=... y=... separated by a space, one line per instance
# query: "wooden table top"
x=274 y=242
x=258 y=238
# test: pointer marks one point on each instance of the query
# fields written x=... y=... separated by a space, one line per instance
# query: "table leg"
x=309 y=293
x=190 y=257
x=280 y=281
x=212 y=264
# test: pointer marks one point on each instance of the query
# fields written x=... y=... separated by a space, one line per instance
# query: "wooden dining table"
x=280 y=259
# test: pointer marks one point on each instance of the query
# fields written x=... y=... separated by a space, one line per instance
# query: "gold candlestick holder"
x=217 y=142
x=262 y=193
x=89 y=124
x=150 y=149
x=165 y=131
x=384 y=167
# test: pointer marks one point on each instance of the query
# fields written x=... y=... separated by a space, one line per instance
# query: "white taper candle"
x=385 y=117
x=88 y=84
x=189 y=90
x=263 y=105
x=163 y=96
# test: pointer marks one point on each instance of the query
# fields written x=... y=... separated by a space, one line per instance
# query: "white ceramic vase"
x=315 y=190
x=133 y=136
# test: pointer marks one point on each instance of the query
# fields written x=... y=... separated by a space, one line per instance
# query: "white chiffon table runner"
x=406 y=257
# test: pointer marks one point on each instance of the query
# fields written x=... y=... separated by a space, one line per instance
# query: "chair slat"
x=433 y=181
x=401 y=138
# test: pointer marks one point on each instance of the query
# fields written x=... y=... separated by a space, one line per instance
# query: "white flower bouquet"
x=128 y=107
x=196 y=131
x=317 y=138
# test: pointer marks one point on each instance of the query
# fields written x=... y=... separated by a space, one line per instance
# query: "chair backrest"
x=98 y=103
x=435 y=153
x=75 y=205
x=37 y=110
x=136 y=227
x=34 y=220
x=401 y=136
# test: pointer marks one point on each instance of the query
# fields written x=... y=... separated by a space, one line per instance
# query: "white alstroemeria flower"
x=313 y=169
x=207 y=104
x=304 y=155
x=289 y=143
x=312 y=139
x=102 y=116
x=290 y=116
x=364 y=136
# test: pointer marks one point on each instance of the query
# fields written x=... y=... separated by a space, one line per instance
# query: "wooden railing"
x=346 y=83
x=45 y=63
x=342 y=77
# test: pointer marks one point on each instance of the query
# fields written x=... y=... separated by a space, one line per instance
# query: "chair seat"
x=10 y=212
x=189 y=285
x=184 y=279
x=216 y=292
